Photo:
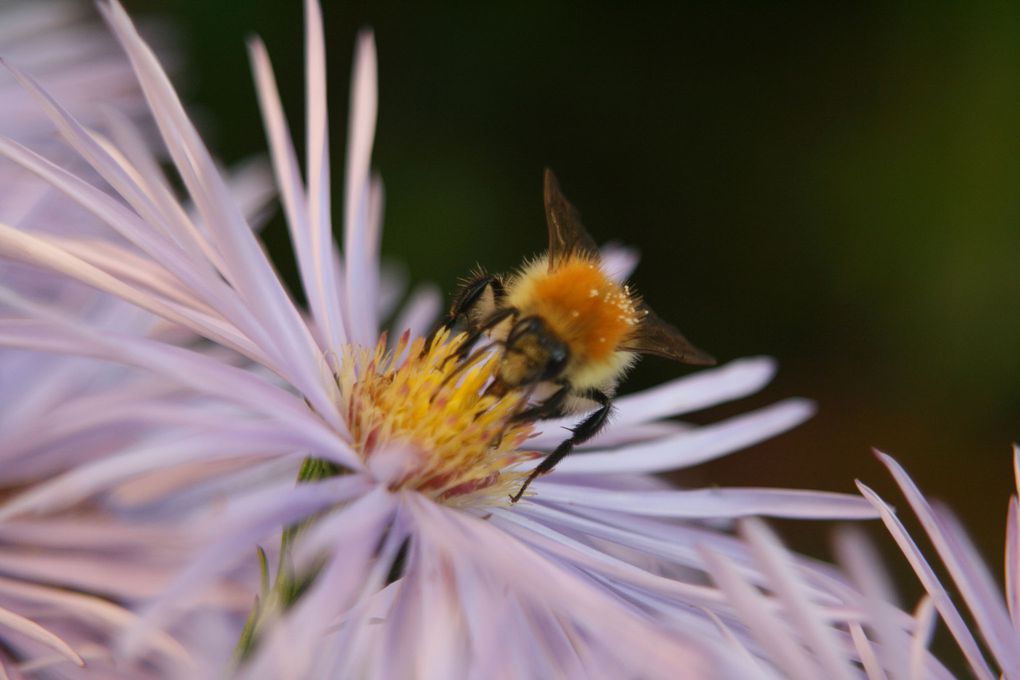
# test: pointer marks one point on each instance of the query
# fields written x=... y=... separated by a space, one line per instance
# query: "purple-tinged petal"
x=619 y=262
x=762 y=619
x=36 y=632
x=939 y=597
x=924 y=628
x=797 y=605
x=691 y=393
x=864 y=565
x=247 y=266
x=312 y=264
x=319 y=188
x=359 y=258
x=967 y=569
x=419 y=313
x=705 y=503
x=866 y=651
x=696 y=446
x=1013 y=563
x=247 y=523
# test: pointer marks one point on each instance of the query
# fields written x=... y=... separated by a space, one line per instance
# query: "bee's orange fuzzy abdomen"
x=592 y=313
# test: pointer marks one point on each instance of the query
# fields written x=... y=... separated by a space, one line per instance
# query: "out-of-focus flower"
x=411 y=563
x=996 y=616
x=779 y=617
x=68 y=582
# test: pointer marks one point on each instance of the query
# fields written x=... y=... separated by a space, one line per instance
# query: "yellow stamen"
x=462 y=441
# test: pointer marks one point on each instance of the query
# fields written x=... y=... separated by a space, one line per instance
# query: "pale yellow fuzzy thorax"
x=588 y=311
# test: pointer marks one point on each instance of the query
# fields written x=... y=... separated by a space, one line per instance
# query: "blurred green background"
x=836 y=186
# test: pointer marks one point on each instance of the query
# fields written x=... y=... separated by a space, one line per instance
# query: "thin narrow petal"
x=864 y=565
x=319 y=188
x=248 y=268
x=968 y=571
x=923 y=630
x=188 y=368
x=697 y=446
x=39 y=634
x=786 y=585
x=765 y=625
x=939 y=597
x=361 y=298
x=324 y=304
x=691 y=393
x=1013 y=562
x=703 y=503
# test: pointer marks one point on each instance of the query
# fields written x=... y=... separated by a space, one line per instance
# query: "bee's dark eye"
x=557 y=359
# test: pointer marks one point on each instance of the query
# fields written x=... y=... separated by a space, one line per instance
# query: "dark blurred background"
x=835 y=186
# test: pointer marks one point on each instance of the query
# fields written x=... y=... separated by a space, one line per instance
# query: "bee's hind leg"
x=585 y=430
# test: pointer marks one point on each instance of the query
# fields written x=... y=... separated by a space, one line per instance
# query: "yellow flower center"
x=456 y=441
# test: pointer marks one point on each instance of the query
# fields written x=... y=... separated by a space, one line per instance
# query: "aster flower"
x=67 y=582
x=996 y=615
x=411 y=562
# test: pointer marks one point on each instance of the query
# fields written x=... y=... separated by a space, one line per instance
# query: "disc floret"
x=459 y=443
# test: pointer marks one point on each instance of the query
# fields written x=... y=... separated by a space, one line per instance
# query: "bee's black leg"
x=585 y=430
x=468 y=294
x=491 y=322
x=550 y=408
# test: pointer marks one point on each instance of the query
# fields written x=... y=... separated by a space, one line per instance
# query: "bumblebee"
x=568 y=331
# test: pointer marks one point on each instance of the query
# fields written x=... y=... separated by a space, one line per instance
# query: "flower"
x=996 y=615
x=411 y=562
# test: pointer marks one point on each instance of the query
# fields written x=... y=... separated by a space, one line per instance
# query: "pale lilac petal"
x=1013 y=548
x=704 y=503
x=679 y=550
x=36 y=632
x=254 y=440
x=319 y=207
x=248 y=268
x=29 y=248
x=940 y=598
x=786 y=586
x=358 y=239
x=644 y=651
x=864 y=565
x=923 y=631
x=247 y=524
x=765 y=625
x=295 y=643
x=187 y=368
x=866 y=651
x=419 y=313
x=570 y=551
x=691 y=393
x=313 y=265
x=618 y=261
x=697 y=446
x=1013 y=562
x=967 y=569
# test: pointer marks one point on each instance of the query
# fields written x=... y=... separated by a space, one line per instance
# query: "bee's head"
x=533 y=354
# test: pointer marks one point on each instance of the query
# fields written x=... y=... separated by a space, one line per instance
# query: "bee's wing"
x=655 y=336
x=567 y=236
